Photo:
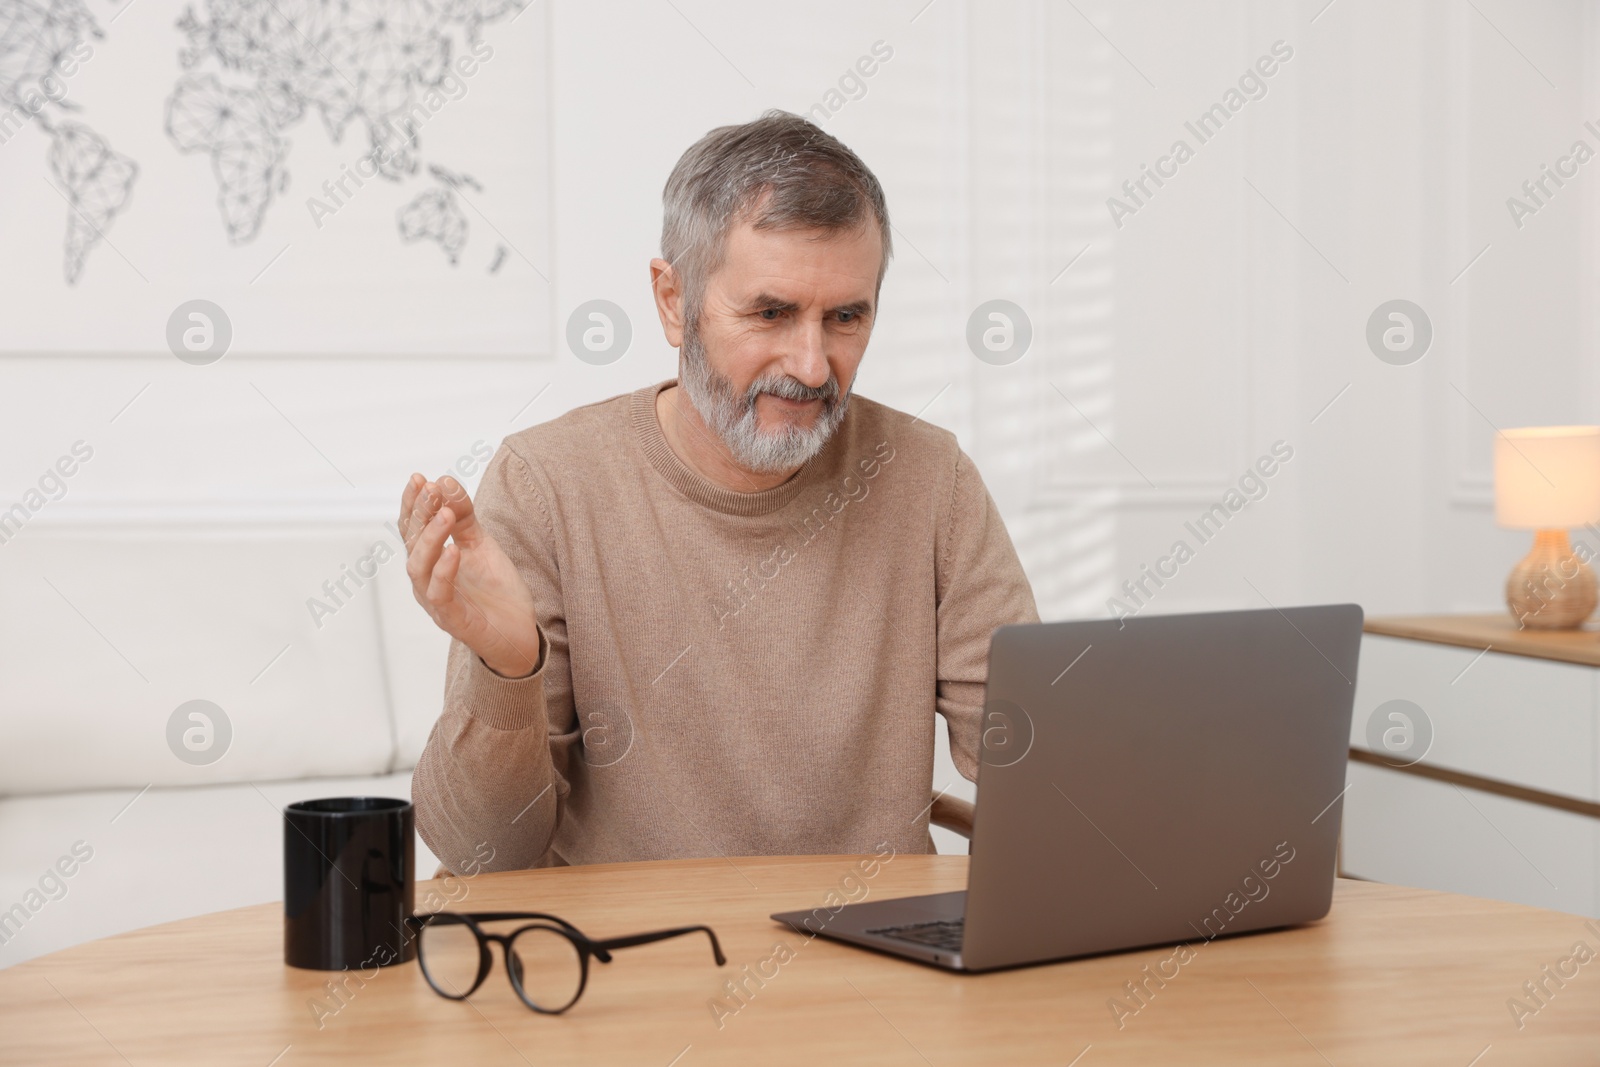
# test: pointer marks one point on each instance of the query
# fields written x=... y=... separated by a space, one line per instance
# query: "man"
x=717 y=615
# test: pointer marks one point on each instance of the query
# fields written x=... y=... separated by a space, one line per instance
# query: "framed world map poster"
x=338 y=177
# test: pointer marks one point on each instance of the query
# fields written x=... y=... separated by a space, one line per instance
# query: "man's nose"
x=807 y=358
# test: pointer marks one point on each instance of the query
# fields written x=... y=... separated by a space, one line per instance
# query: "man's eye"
x=847 y=316
x=770 y=314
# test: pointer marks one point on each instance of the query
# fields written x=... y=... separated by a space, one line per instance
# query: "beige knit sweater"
x=721 y=673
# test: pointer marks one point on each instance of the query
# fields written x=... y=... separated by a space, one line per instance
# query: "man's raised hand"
x=464 y=580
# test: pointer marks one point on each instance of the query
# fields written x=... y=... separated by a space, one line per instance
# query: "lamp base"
x=1551 y=589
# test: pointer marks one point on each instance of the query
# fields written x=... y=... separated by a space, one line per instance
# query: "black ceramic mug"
x=347 y=883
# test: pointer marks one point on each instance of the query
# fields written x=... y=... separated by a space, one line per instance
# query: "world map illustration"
x=369 y=74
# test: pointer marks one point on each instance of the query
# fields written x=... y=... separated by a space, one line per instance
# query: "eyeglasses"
x=547 y=959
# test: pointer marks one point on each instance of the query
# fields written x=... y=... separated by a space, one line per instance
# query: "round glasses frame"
x=584 y=946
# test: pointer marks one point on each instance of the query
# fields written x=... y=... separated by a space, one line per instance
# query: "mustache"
x=789 y=389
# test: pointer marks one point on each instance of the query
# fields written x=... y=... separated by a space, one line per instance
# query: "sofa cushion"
x=107 y=634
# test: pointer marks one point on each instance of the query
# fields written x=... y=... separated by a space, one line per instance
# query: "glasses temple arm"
x=662 y=935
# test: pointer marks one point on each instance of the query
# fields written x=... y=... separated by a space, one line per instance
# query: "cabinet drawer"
x=1526 y=721
x=1412 y=831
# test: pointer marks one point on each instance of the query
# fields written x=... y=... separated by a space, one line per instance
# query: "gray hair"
x=779 y=172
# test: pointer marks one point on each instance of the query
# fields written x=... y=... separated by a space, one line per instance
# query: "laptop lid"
x=1158 y=779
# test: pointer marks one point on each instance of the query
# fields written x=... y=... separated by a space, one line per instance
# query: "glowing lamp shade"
x=1547 y=479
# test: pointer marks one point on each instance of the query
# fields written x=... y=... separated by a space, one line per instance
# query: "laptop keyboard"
x=942 y=933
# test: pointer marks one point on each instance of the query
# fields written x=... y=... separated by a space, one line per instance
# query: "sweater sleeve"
x=981 y=587
x=490 y=782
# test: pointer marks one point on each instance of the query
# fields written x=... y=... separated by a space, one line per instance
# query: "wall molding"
x=1093 y=182
x=283 y=357
x=107 y=514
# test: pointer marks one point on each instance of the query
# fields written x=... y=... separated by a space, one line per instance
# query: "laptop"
x=1142 y=781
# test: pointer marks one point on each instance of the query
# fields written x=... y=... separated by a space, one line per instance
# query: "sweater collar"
x=697 y=487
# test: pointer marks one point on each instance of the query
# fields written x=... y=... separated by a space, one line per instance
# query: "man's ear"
x=668 y=290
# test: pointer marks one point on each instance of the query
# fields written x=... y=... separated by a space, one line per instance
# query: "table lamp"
x=1547 y=479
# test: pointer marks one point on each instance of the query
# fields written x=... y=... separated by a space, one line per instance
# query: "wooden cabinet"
x=1498 y=793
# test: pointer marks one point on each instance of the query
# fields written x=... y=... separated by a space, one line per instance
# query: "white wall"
x=1224 y=315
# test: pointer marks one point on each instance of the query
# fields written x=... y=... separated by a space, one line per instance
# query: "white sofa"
x=104 y=634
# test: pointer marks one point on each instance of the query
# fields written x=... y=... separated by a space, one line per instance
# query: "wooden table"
x=1393 y=976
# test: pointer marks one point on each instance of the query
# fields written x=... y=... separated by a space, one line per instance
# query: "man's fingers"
x=442 y=585
x=467 y=531
x=422 y=512
x=425 y=551
x=422 y=499
x=408 y=500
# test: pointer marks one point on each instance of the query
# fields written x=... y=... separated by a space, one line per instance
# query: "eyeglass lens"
x=449 y=955
x=546 y=966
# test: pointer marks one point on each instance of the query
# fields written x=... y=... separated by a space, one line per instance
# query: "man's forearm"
x=486 y=774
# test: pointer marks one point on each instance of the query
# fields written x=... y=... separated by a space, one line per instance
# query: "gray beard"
x=734 y=420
